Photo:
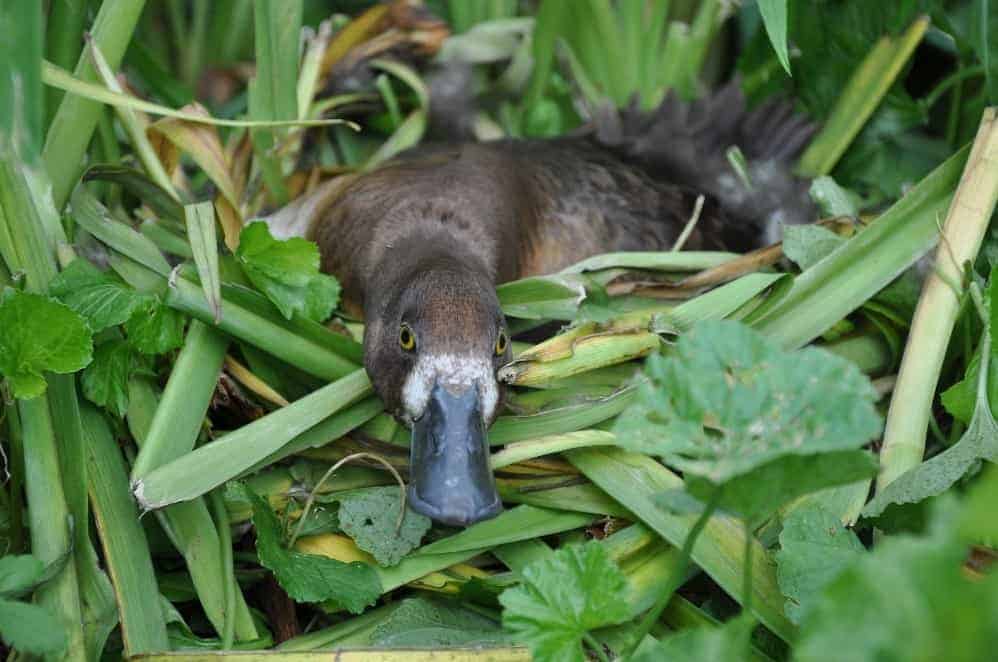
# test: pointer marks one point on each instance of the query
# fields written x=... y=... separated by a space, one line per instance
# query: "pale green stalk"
x=938 y=306
x=74 y=122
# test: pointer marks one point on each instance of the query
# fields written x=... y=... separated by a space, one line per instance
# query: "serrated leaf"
x=807 y=245
x=728 y=401
x=100 y=298
x=310 y=578
x=30 y=628
x=39 y=334
x=155 y=328
x=370 y=516
x=18 y=573
x=578 y=589
x=814 y=548
x=105 y=380
x=425 y=623
x=287 y=272
x=729 y=641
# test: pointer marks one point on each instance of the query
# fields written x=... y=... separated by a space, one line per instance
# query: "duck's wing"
x=687 y=143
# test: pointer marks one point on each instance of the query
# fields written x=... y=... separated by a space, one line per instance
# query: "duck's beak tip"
x=451 y=480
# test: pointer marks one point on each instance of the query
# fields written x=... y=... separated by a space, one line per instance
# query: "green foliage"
x=105 y=380
x=28 y=628
x=287 y=272
x=907 y=600
x=370 y=517
x=728 y=406
x=729 y=641
x=307 y=577
x=105 y=301
x=562 y=598
x=39 y=334
x=102 y=299
x=155 y=328
x=814 y=548
x=774 y=17
x=979 y=441
x=807 y=245
x=422 y=622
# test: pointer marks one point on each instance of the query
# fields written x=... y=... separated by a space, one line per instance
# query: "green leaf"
x=832 y=199
x=155 y=328
x=730 y=407
x=909 y=600
x=370 y=516
x=814 y=548
x=774 y=17
x=960 y=398
x=979 y=441
x=31 y=629
x=310 y=578
x=561 y=598
x=807 y=245
x=105 y=380
x=425 y=623
x=938 y=474
x=287 y=272
x=784 y=479
x=18 y=573
x=100 y=298
x=729 y=641
x=39 y=334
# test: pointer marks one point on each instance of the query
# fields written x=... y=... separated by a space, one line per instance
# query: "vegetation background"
x=779 y=455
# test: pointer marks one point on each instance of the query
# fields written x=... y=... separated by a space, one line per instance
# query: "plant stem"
x=679 y=573
x=960 y=75
x=747 y=569
x=938 y=306
x=596 y=647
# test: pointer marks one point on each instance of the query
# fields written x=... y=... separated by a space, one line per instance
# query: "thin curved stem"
x=330 y=472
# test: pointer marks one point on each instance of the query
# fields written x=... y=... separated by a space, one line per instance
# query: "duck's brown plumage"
x=420 y=242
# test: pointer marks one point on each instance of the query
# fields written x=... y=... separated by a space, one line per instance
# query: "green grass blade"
x=125 y=548
x=63 y=43
x=634 y=480
x=204 y=469
x=75 y=120
x=48 y=519
x=191 y=526
x=175 y=427
x=774 y=18
x=98 y=221
x=204 y=245
x=860 y=99
x=843 y=281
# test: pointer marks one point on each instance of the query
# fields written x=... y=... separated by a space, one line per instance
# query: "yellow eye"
x=407 y=339
x=501 y=343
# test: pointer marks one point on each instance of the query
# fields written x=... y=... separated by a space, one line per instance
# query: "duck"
x=420 y=243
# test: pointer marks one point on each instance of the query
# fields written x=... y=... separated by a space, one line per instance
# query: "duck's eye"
x=501 y=343
x=407 y=339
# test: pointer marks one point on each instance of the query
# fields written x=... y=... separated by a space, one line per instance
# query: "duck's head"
x=433 y=343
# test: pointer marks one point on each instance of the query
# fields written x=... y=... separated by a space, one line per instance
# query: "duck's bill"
x=450 y=477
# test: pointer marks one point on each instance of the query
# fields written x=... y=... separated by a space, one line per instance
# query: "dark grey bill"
x=450 y=477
